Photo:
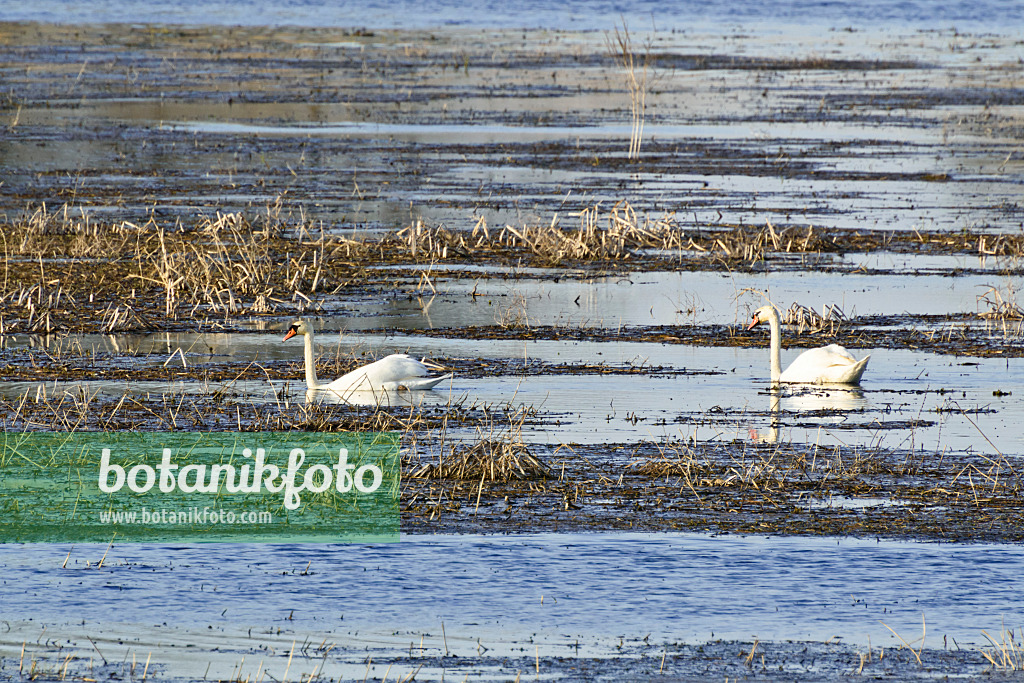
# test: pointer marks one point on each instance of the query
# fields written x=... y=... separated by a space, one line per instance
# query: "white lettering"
x=291 y=492
x=343 y=482
x=105 y=469
x=378 y=477
x=133 y=478
x=292 y=480
x=308 y=480
x=167 y=480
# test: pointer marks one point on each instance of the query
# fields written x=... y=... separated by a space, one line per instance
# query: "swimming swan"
x=392 y=373
x=830 y=364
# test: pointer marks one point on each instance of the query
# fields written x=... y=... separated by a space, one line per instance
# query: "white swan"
x=392 y=373
x=830 y=364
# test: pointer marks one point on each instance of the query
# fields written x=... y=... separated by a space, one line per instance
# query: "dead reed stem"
x=636 y=68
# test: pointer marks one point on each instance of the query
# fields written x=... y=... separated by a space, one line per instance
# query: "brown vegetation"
x=64 y=271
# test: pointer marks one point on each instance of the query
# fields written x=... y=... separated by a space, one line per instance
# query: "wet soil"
x=634 y=659
x=960 y=337
x=368 y=130
x=738 y=487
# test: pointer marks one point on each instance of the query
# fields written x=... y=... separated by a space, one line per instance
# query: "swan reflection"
x=807 y=399
x=771 y=435
x=382 y=398
x=833 y=401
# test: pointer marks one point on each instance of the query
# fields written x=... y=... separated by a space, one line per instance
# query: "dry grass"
x=219 y=406
x=998 y=306
x=514 y=315
x=497 y=454
x=808 y=320
x=61 y=267
x=64 y=271
x=781 y=474
x=621 y=47
x=703 y=467
x=1006 y=654
x=619 y=234
x=994 y=245
x=1001 y=312
x=487 y=460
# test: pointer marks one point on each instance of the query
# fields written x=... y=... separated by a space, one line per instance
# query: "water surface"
x=549 y=593
x=578 y=14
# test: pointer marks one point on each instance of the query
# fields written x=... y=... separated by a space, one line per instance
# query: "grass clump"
x=999 y=307
x=807 y=319
x=490 y=460
x=1006 y=654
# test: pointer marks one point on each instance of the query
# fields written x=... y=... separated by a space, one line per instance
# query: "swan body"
x=830 y=364
x=396 y=372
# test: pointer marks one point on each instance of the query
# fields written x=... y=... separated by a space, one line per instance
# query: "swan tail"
x=857 y=371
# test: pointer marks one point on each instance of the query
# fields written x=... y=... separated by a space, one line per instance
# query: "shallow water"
x=677 y=298
x=580 y=14
x=896 y=148
x=596 y=409
x=908 y=399
x=978 y=199
x=542 y=593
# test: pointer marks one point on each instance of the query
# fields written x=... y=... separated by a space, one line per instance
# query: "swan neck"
x=776 y=346
x=311 y=381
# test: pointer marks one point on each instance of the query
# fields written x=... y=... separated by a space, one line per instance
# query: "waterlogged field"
x=607 y=487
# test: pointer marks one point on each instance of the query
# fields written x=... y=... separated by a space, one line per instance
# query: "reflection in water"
x=773 y=429
x=382 y=398
x=585 y=401
x=830 y=398
x=808 y=399
x=772 y=434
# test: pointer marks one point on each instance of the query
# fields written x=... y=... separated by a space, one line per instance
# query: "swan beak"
x=291 y=333
x=753 y=323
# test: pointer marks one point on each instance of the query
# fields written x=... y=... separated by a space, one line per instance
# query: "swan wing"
x=416 y=384
x=389 y=373
x=830 y=364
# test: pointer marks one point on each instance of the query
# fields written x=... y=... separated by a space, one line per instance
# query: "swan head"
x=297 y=327
x=761 y=315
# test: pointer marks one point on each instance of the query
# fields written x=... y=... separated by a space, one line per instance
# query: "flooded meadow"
x=608 y=486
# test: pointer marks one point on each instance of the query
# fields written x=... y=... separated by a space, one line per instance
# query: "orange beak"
x=291 y=333
x=752 y=325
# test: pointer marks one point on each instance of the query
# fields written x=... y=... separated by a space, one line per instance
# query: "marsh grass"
x=711 y=466
x=487 y=460
x=212 y=407
x=636 y=68
x=497 y=452
x=807 y=319
x=1001 y=310
x=781 y=475
x=514 y=315
x=65 y=271
x=999 y=306
x=458 y=454
x=1005 y=654
x=61 y=267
